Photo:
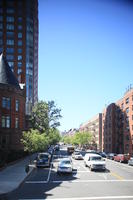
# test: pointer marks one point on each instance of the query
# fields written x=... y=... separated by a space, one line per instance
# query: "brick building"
x=126 y=121
x=117 y=128
x=12 y=108
x=94 y=126
x=19 y=43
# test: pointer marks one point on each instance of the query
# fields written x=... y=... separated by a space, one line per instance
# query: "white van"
x=94 y=161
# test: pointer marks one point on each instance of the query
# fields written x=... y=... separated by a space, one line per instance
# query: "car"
x=130 y=161
x=65 y=166
x=94 y=162
x=77 y=155
x=122 y=158
x=103 y=154
x=43 y=160
x=57 y=147
x=111 y=156
x=70 y=149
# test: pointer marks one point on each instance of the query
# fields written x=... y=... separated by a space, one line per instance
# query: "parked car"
x=70 y=149
x=77 y=155
x=94 y=161
x=57 y=147
x=103 y=154
x=43 y=160
x=65 y=166
x=111 y=156
x=130 y=161
x=122 y=158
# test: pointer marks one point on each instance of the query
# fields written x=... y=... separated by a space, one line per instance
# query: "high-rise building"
x=19 y=43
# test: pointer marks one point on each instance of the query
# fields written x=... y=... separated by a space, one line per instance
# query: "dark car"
x=43 y=160
x=111 y=156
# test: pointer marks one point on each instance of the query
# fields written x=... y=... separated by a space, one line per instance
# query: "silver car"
x=130 y=161
x=65 y=166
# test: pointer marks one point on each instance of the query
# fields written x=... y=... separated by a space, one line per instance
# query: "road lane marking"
x=78 y=181
x=87 y=198
x=117 y=176
x=90 y=181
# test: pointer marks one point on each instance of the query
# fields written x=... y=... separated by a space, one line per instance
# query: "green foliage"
x=79 y=138
x=33 y=141
x=53 y=136
x=45 y=115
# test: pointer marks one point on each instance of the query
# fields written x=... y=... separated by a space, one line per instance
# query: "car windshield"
x=95 y=158
x=43 y=156
x=77 y=153
x=66 y=162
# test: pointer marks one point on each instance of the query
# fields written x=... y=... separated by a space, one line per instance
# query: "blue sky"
x=85 y=55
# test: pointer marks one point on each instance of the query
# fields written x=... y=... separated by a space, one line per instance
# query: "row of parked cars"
x=125 y=158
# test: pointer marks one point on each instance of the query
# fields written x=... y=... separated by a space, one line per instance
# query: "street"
x=44 y=183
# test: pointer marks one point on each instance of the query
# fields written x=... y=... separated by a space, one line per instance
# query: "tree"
x=45 y=115
x=53 y=136
x=33 y=141
x=83 y=138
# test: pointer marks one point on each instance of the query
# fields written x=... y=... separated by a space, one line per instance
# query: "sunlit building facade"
x=19 y=43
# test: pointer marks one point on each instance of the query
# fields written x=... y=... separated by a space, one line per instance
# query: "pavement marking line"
x=79 y=181
x=117 y=176
x=91 y=181
x=87 y=198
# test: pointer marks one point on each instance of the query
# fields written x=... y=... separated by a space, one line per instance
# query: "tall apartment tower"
x=19 y=43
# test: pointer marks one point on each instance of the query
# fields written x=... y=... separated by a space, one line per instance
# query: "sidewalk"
x=12 y=176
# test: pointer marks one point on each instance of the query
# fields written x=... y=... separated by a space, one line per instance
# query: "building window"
x=9 y=34
x=1 y=49
x=1 y=26
x=10 y=42
x=9 y=50
x=10 y=27
x=19 y=27
x=6 y=102
x=19 y=64
x=11 y=64
x=1 y=33
x=1 y=18
x=20 y=19
x=10 y=19
x=19 y=42
x=16 y=122
x=6 y=122
x=10 y=10
x=19 y=35
x=9 y=57
x=127 y=110
x=1 y=41
x=19 y=57
x=127 y=146
x=127 y=100
x=19 y=71
x=19 y=50
x=17 y=105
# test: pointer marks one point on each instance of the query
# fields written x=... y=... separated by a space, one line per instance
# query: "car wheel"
x=91 y=168
x=85 y=164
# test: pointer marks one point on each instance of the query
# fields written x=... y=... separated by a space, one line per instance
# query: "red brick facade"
x=10 y=137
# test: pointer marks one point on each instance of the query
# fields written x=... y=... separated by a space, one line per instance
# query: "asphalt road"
x=44 y=183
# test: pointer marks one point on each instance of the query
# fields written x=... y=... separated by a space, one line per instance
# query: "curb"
x=4 y=195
